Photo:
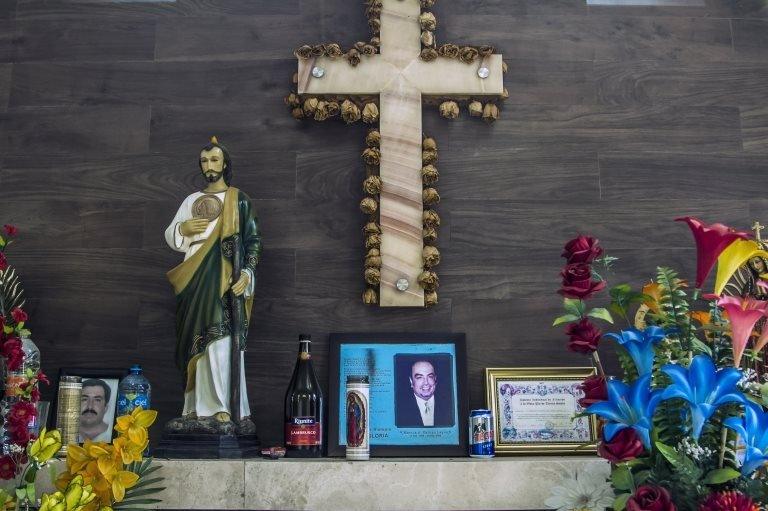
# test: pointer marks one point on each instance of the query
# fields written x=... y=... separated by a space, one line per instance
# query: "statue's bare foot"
x=222 y=417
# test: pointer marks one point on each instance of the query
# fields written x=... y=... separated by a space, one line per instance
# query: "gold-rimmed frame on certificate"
x=549 y=381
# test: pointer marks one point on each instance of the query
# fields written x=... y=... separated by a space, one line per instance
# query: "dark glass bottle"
x=304 y=407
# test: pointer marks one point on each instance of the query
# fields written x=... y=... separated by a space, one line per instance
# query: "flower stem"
x=599 y=364
x=723 y=440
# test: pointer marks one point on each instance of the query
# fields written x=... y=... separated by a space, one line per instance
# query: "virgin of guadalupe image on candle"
x=218 y=232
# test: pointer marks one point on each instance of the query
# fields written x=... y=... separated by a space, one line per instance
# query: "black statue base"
x=208 y=446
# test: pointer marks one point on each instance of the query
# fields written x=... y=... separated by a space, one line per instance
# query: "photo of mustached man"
x=97 y=410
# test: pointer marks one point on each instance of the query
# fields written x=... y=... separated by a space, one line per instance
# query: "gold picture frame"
x=538 y=388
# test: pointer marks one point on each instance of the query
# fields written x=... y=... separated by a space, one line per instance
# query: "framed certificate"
x=405 y=370
x=536 y=410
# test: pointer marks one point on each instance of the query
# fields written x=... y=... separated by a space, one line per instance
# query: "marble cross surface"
x=401 y=78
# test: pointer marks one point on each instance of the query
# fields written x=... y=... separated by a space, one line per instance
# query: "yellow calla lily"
x=122 y=481
x=733 y=257
x=45 y=446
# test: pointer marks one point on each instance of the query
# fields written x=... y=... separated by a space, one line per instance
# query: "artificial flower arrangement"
x=685 y=427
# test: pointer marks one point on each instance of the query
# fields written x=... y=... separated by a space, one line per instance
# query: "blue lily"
x=753 y=429
x=639 y=344
x=628 y=407
x=704 y=387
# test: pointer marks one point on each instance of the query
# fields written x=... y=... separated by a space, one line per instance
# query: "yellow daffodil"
x=130 y=452
x=77 y=458
x=76 y=497
x=122 y=481
x=45 y=446
x=733 y=257
x=135 y=425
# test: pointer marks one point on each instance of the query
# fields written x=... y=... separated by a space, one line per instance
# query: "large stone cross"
x=400 y=77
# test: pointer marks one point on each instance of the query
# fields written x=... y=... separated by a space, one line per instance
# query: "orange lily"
x=703 y=317
x=653 y=290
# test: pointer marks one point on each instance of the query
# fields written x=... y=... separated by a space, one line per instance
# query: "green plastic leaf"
x=573 y=306
x=30 y=491
x=641 y=477
x=565 y=318
x=601 y=313
x=669 y=452
x=621 y=502
x=700 y=347
x=2 y=242
x=21 y=493
x=621 y=478
x=721 y=475
x=8 y=329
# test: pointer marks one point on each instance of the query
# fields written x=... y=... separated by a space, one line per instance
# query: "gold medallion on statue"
x=208 y=207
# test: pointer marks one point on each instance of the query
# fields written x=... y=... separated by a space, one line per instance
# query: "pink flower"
x=19 y=315
x=728 y=501
x=711 y=240
x=10 y=230
x=11 y=350
x=743 y=313
x=3 y=262
x=7 y=468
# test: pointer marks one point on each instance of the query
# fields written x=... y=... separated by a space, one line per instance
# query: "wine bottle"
x=304 y=407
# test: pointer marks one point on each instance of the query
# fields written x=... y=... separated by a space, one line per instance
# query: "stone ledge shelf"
x=337 y=484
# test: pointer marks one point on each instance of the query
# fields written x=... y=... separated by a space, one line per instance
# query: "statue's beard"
x=212 y=177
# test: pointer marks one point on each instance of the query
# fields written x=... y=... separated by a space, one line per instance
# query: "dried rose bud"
x=429 y=144
x=371 y=228
x=375 y=25
x=431 y=218
x=373 y=139
x=430 y=299
x=431 y=256
x=318 y=50
x=505 y=93
x=373 y=241
x=430 y=196
x=372 y=155
x=450 y=51
x=429 y=234
x=490 y=113
x=372 y=185
x=370 y=113
x=449 y=109
x=475 y=109
x=429 y=174
x=427 y=3
x=350 y=112
x=333 y=50
x=353 y=57
x=373 y=262
x=359 y=45
x=369 y=50
x=292 y=100
x=370 y=297
x=369 y=205
x=373 y=276
x=310 y=105
x=303 y=52
x=427 y=21
x=428 y=54
x=468 y=54
x=428 y=38
x=485 y=50
x=373 y=12
x=297 y=113
x=295 y=78
x=504 y=67
x=428 y=157
x=333 y=108
x=429 y=281
x=375 y=41
x=321 y=112
x=374 y=3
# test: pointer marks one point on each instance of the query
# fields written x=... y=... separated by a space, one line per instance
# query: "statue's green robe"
x=202 y=282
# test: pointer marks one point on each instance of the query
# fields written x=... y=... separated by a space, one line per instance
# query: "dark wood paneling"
x=696 y=84
x=619 y=119
x=84 y=39
x=671 y=176
x=754 y=128
x=91 y=131
x=750 y=39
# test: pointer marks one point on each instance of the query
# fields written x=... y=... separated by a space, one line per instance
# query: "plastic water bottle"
x=13 y=380
x=133 y=391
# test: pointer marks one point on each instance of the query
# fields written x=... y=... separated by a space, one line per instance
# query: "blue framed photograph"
x=418 y=395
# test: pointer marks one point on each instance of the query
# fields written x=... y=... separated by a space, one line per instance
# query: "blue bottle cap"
x=136 y=369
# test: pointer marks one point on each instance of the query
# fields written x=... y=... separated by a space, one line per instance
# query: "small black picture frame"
x=393 y=361
x=110 y=378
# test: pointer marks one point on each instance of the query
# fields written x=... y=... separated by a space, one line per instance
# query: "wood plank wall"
x=619 y=119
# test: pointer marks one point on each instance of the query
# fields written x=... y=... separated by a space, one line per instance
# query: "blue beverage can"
x=481 y=434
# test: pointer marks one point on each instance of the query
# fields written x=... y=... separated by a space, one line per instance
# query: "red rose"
x=21 y=413
x=626 y=445
x=43 y=378
x=19 y=315
x=7 y=468
x=595 y=390
x=3 y=262
x=10 y=230
x=651 y=498
x=20 y=436
x=578 y=283
x=13 y=353
x=582 y=249
x=585 y=336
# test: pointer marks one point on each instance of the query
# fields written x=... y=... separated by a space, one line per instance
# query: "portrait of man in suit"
x=424 y=396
